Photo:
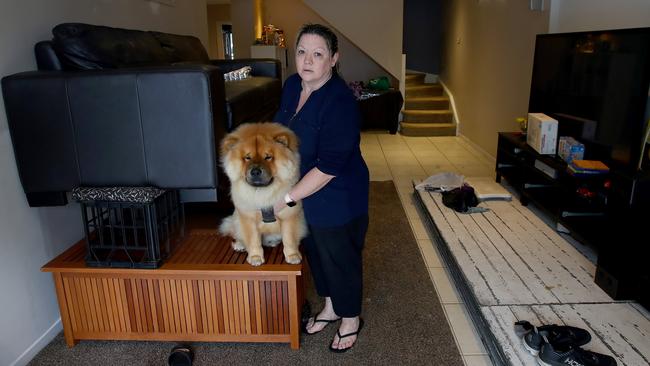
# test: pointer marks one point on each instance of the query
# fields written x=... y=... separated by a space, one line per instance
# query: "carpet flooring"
x=404 y=320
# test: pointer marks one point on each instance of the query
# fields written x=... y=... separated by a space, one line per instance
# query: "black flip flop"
x=337 y=350
x=304 y=328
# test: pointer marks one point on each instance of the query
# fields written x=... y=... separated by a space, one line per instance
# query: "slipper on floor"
x=338 y=332
x=304 y=327
x=181 y=356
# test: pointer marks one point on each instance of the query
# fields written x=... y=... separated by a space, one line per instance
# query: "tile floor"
x=403 y=159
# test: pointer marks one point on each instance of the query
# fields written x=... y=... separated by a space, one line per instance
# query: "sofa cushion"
x=89 y=47
x=246 y=98
x=182 y=48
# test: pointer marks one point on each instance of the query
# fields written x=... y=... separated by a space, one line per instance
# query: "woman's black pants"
x=335 y=260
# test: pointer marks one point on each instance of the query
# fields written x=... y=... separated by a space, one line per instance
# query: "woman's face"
x=313 y=59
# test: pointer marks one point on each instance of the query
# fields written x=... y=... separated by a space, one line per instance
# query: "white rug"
x=509 y=265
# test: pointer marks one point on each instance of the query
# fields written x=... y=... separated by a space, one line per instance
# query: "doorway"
x=225 y=45
x=228 y=47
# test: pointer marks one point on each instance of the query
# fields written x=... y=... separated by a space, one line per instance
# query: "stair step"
x=427 y=129
x=414 y=79
x=428 y=116
x=424 y=90
x=440 y=102
x=415 y=76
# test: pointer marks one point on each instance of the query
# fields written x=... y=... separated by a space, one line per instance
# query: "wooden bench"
x=204 y=292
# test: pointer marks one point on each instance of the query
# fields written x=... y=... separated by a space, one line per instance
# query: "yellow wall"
x=487 y=58
x=216 y=13
x=242 y=15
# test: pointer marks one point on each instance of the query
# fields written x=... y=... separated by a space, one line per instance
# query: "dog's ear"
x=228 y=143
x=282 y=138
x=288 y=139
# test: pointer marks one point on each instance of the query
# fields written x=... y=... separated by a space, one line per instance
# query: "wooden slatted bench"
x=204 y=292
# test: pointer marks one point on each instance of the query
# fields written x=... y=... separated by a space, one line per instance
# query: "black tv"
x=596 y=84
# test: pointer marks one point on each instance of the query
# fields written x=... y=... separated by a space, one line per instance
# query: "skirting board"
x=39 y=344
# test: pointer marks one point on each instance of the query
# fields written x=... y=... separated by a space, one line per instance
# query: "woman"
x=319 y=107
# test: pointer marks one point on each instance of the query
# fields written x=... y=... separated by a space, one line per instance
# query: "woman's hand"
x=310 y=183
x=279 y=206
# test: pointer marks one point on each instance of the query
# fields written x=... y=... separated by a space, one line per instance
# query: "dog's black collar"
x=268 y=216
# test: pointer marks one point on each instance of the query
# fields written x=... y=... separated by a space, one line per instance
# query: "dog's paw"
x=255 y=260
x=238 y=246
x=293 y=258
x=271 y=240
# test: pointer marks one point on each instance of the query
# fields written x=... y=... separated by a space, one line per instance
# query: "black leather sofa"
x=118 y=107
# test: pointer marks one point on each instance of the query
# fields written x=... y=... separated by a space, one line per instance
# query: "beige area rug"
x=404 y=321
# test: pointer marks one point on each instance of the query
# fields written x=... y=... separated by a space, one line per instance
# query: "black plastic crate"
x=127 y=234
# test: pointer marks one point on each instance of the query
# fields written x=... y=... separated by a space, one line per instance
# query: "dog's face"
x=260 y=154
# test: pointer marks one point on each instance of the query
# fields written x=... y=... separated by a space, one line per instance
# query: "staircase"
x=426 y=110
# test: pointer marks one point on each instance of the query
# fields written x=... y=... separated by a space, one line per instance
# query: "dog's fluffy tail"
x=227 y=226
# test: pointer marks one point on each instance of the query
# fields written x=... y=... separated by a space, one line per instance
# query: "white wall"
x=29 y=237
x=583 y=15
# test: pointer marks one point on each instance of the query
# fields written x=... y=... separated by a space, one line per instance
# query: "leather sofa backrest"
x=79 y=46
x=181 y=48
x=115 y=128
x=46 y=58
x=123 y=123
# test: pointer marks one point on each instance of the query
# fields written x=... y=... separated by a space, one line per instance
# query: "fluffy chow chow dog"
x=262 y=162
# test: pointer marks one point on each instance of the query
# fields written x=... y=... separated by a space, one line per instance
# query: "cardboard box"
x=569 y=149
x=542 y=133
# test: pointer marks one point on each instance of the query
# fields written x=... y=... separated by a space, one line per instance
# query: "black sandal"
x=338 y=332
x=304 y=328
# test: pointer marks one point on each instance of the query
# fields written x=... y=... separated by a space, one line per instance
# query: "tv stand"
x=602 y=211
x=544 y=181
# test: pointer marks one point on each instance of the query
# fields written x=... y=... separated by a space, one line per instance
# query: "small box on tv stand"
x=569 y=149
x=542 y=133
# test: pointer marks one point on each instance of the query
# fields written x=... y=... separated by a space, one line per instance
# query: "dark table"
x=382 y=111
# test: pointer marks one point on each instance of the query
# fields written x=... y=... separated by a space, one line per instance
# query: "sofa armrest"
x=260 y=66
x=134 y=127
